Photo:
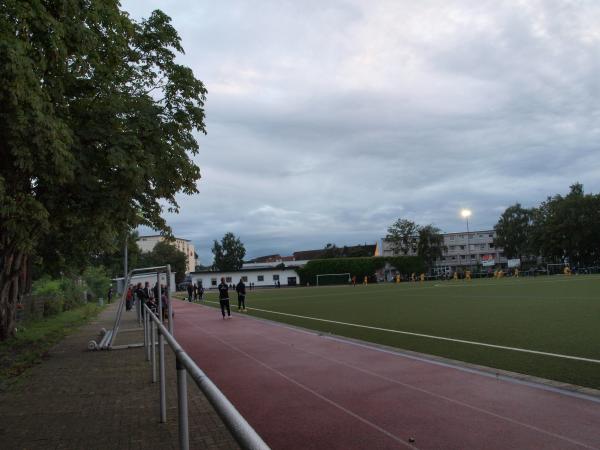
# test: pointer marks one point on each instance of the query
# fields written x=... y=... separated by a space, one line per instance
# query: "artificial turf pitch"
x=556 y=314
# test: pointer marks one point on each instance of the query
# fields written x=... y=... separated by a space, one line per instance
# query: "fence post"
x=161 y=371
x=146 y=330
x=153 y=344
x=182 y=403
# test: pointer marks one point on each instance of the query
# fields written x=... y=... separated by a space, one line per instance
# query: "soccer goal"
x=556 y=269
x=327 y=279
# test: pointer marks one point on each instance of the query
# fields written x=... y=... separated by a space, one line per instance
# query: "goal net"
x=327 y=279
x=556 y=269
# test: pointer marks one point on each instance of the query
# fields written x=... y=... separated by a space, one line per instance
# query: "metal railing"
x=241 y=430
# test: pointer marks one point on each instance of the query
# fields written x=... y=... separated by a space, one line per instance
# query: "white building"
x=147 y=243
x=481 y=252
x=261 y=277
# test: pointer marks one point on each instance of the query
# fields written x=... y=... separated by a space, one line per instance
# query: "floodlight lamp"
x=465 y=213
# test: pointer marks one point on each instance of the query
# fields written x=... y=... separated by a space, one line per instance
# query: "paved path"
x=301 y=390
x=86 y=400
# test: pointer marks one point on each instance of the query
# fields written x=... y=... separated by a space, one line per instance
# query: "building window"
x=462 y=257
x=228 y=279
x=260 y=278
x=451 y=238
x=275 y=277
x=452 y=247
x=454 y=258
x=462 y=247
x=490 y=235
x=245 y=279
x=213 y=281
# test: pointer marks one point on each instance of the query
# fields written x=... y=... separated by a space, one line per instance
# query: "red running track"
x=300 y=390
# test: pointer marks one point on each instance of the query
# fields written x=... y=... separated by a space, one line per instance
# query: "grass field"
x=548 y=314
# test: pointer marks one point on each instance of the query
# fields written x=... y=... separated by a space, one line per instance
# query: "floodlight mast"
x=466 y=213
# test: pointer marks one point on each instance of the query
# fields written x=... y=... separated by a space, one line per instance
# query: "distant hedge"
x=359 y=267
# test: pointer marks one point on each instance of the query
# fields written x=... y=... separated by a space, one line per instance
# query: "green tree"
x=568 y=228
x=514 y=231
x=229 y=253
x=97 y=123
x=163 y=253
x=403 y=235
x=430 y=245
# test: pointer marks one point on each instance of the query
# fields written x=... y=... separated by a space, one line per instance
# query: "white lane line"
x=315 y=393
x=430 y=336
x=430 y=393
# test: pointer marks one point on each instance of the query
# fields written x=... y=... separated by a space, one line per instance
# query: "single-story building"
x=259 y=276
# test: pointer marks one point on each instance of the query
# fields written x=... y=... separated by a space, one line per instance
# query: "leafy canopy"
x=97 y=128
x=229 y=253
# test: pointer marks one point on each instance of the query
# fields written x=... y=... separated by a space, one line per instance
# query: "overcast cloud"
x=327 y=120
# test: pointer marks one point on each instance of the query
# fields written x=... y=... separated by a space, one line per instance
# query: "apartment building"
x=463 y=250
x=147 y=243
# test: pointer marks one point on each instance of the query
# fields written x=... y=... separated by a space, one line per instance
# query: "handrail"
x=241 y=430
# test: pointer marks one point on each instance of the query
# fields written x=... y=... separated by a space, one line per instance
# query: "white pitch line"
x=430 y=336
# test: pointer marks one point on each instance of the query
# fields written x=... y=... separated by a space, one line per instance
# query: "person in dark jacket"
x=241 y=293
x=142 y=297
x=190 y=290
x=224 y=298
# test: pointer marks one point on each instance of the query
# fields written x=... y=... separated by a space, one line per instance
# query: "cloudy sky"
x=329 y=119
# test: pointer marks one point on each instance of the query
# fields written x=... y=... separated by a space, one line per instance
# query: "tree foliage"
x=560 y=229
x=430 y=245
x=514 y=231
x=163 y=253
x=97 y=123
x=229 y=253
x=403 y=235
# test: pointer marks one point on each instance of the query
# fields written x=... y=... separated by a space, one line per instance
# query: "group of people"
x=140 y=296
x=240 y=288
x=195 y=292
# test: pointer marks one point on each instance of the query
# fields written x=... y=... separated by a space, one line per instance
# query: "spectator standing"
x=190 y=291
x=129 y=298
x=109 y=294
x=241 y=294
x=224 y=298
x=142 y=297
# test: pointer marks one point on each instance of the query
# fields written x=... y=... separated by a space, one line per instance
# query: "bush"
x=359 y=267
x=67 y=293
x=97 y=281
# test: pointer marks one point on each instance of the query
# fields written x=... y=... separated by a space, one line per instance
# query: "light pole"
x=466 y=213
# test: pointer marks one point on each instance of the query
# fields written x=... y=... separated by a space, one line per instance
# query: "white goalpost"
x=333 y=278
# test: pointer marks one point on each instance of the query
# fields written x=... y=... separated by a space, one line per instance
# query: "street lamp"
x=466 y=213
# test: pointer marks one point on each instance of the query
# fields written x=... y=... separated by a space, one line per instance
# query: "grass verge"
x=34 y=339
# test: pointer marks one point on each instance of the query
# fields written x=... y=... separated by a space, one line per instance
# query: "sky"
x=328 y=120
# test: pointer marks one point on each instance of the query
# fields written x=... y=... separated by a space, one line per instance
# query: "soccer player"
x=224 y=298
x=241 y=293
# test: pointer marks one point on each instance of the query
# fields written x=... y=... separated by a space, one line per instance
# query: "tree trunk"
x=13 y=278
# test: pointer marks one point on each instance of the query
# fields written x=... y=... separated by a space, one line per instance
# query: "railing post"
x=161 y=371
x=182 y=403
x=147 y=322
x=153 y=344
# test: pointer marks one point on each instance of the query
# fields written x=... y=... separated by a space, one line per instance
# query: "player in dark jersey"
x=224 y=298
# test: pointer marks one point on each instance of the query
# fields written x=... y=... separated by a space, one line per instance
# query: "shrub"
x=97 y=281
x=359 y=267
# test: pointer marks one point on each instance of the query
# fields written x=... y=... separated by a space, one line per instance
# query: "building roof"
x=345 y=251
x=267 y=258
x=251 y=269
x=160 y=235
